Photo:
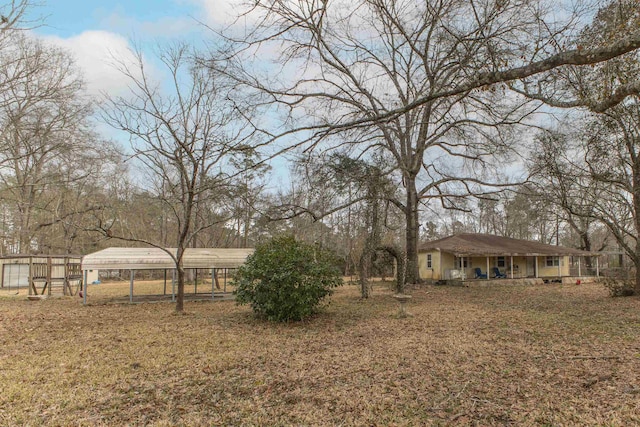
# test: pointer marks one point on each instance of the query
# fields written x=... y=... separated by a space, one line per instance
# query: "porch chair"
x=479 y=273
x=497 y=274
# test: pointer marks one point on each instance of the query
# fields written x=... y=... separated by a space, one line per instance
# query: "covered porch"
x=533 y=266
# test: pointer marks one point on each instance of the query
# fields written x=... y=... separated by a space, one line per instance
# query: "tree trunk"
x=401 y=270
x=364 y=270
x=636 y=210
x=586 y=246
x=180 y=296
x=412 y=230
x=401 y=262
x=636 y=288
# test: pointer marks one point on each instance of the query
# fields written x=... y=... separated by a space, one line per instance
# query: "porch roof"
x=471 y=244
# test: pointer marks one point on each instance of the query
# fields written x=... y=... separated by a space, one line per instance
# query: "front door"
x=531 y=267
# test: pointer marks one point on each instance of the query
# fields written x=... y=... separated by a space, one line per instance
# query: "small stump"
x=402 y=299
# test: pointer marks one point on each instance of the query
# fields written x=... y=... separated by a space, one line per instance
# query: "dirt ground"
x=520 y=355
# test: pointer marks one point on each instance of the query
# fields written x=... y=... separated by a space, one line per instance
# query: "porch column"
x=535 y=265
x=597 y=267
x=512 y=266
x=164 y=292
x=464 y=275
x=487 y=268
x=440 y=274
x=131 y=287
x=560 y=258
x=579 y=271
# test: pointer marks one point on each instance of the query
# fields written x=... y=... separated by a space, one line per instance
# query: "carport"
x=118 y=258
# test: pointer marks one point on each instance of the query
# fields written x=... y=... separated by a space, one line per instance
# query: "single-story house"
x=484 y=256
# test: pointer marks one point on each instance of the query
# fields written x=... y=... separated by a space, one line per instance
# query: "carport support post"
x=597 y=267
x=173 y=285
x=579 y=271
x=30 y=274
x=131 y=287
x=49 y=275
x=535 y=264
x=85 y=285
x=213 y=283
x=164 y=292
x=487 y=268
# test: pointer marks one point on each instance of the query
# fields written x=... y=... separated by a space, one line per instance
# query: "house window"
x=428 y=260
x=459 y=263
x=501 y=261
x=553 y=261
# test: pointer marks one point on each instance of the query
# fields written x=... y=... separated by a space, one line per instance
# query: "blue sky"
x=96 y=31
x=65 y=18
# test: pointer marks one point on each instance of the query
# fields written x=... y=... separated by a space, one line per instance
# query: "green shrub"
x=286 y=280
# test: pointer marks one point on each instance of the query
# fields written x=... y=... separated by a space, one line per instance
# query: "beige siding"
x=448 y=262
x=427 y=273
x=544 y=271
x=519 y=267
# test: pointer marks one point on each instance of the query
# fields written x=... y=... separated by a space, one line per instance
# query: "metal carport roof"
x=157 y=259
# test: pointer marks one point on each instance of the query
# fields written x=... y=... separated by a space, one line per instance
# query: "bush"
x=286 y=280
x=618 y=287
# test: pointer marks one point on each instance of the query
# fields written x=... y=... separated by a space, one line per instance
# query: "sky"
x=94 y=30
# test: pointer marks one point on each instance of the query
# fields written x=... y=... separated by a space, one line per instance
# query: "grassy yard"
x=548 y=355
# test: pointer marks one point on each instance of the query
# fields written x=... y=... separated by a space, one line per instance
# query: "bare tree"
x=607 y=164
x=12 y=23
x=379 y=73
x=45 y=135
x=417 y=79
x=559 y=180
x=603 y=85
x=591 y=177
x=183 y=132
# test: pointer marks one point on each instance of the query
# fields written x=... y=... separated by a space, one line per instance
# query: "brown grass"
x=548 y=355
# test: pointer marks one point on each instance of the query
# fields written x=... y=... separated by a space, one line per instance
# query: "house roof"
x=470 y=244
x=157 y=259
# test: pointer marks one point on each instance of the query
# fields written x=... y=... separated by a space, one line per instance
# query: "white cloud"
x=165 y=27
x=223 y=12
x=96 y=53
